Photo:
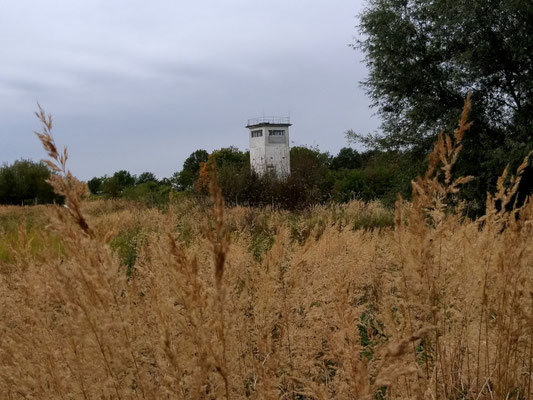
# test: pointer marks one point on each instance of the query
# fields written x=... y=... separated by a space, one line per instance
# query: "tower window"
x=257 y=133
x=275 y=132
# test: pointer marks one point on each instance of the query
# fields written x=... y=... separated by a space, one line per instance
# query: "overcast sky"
x=139 y=85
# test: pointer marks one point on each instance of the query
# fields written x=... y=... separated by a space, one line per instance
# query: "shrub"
x=25 y=182
x=150 y=193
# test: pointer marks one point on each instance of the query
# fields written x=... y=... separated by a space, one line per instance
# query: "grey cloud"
x=140 y=85
x=23 y=85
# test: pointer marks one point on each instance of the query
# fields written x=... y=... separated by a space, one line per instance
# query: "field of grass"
x=113 y=300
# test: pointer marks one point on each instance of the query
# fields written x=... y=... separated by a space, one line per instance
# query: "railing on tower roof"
x=269 y=120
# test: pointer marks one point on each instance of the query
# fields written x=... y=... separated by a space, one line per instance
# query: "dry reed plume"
x=118 y=301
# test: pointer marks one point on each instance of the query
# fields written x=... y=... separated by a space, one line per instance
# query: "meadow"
x=111 y=299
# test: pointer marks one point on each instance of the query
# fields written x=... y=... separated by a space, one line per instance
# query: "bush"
x=125 y=245
x=150 y=193
x=24 y=182
x=351 y=186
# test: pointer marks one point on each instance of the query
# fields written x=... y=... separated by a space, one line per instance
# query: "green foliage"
x=371 y=221
x=151 y=193
x=111 y=187
x=124 y=179
x=145 y=177
x=262 y=233
x=371 y=329
x=95 y=185
x=22 y=231
x=185 y=179
x=424 y=56
x=303 y=224
x=378 y=179
x=24 y=182
x=350 y=186
x=382 y=176
x=125 y=244
x=347 y=158
x=309 y=181
x=145 y=188
x=233 y=179
x=231 y=156
x=309 y=161
x=315 y=177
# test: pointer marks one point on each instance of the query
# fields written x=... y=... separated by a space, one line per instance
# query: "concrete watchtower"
x=269 y=145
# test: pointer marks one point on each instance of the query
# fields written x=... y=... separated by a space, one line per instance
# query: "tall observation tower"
x=269 y=145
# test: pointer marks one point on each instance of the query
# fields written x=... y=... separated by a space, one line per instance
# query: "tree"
x=352 y=185
x=231 y=156
x=308 y=161
x=425 y=55
x=124 y=179
x=95 y=185
x=24 y=182
x=111 y=186
x=184 y=179
x=309 y=181
x=166 y=182
x=146 y=177
x=233 y=168
x=150 y=193
x=347 y=158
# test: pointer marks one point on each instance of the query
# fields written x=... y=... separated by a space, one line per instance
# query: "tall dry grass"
x=193 y=303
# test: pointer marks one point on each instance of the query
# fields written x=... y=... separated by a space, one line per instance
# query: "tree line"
x=316 y=177
x=424 y=57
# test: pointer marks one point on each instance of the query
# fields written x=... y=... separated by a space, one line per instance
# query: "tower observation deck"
x=269 y=145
